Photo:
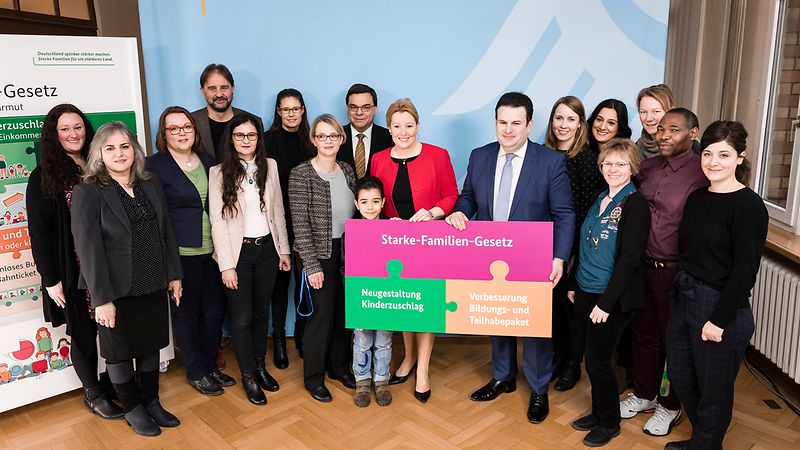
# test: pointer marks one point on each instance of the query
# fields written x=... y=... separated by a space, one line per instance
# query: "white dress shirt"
x=354 y=141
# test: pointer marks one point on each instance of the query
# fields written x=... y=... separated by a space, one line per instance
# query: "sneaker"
x=163 y=366
x=662 y=421
x=363 y=392
x=634 y=405
x=383 y=394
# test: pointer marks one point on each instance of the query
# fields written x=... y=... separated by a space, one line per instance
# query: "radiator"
x=776 y=309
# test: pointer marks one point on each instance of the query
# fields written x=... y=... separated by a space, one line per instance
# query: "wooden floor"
x=291 y=419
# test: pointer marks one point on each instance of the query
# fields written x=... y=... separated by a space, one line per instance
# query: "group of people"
x=656 y=245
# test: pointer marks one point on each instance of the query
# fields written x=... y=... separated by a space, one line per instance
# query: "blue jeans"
x=363 y=343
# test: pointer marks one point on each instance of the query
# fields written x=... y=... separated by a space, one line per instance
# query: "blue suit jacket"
x=185 y=207
x=543 y=192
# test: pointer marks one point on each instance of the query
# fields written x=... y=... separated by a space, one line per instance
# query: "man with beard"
x=216 y=85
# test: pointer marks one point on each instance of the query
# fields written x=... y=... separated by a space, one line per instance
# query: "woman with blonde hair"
x=653 y=102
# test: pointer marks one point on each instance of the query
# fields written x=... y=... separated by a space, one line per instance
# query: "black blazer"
x=103 y=239
x=379 y=141
x=626 y=286
x=54 y=252
x=204 y=130
x=185 y=206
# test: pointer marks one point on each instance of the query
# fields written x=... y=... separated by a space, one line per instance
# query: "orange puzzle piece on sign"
x=499 y=307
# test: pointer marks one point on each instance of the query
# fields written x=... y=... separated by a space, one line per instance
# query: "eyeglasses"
x=188 y=128
x=295 y=110
x=250 y=136
x=618 y=165
x=327 y=137
x=365 y=108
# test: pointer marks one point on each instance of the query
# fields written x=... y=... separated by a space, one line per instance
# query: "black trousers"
x=703 y=372
x=566 y=346
x=601 y=340
x=248 y=304
x=326 y=341
x=83 y=345
x=197 y=322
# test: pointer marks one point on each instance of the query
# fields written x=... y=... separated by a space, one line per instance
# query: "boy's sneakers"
x=662 y=421
x=634 y=405
x=383 y=395
x=363 y=392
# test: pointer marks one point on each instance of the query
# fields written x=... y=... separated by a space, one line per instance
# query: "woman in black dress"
x=129 y=254
x=66 y=135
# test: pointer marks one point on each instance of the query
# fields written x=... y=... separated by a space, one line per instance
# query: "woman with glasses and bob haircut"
x=321 y=197
x=250 y=244
x=287 y=142
x=197 y=322
x=609 y=282
x=126 y=244
x=720 y=241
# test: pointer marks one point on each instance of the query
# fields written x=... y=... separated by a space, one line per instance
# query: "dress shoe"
x=677 y=445
x=493 y=389
x=569 y=377
x=254 y=393
x=585 y=423
x=347 y=380
x=141 y=422
x=279 y=356
x=600 y=436
x=160 y=415
x=400 y=379
x=265 y=380
x=222 y=379
x=321 y=394
x=423 y=397
x=97 y=402
x=207 y=386
x=538 y=408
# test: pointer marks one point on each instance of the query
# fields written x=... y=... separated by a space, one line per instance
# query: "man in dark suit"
x=363 y=137
x=216 y=85
x=516 y=179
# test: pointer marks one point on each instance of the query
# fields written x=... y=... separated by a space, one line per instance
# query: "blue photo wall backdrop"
x=453 y=58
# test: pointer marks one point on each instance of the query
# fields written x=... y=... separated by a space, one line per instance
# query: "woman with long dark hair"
x=183 y=171
x=568 y=134
x=608 y=120
x=64 y=148
x=287 y=142
x=129 y=258
x=720 y=241
x=250 y=244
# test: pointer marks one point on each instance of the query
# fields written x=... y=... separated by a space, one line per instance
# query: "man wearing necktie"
x=516 y=179
x=362 y=137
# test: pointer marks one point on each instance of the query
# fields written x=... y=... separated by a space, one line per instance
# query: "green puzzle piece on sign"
x=395 y=303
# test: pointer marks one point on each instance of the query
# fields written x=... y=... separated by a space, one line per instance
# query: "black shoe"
x=347 y=380
x=160 y=415
x=585 y=423
x=141 y=422
x=400 y=379
x=207 y=386
x=221 y=378
x=569 y=377
x=321 y=394
x=493 y=389
x=265 y=380
x=677 y=445
x=279 y=356
x=254 y=393
x=600 y=436
x=538 y=408
x=558 y=366
x=96 y=400
x=423 y=397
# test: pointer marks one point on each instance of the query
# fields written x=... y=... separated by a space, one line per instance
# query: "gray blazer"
x=102 y=235
x=204 y=130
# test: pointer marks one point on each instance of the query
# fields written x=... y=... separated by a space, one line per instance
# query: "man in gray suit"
x=216 y=85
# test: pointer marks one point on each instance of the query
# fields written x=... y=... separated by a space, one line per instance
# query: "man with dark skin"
x=665 y=181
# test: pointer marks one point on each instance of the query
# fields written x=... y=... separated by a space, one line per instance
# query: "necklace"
x=189 y=161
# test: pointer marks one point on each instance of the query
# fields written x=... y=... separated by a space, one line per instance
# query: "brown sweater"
x=310 y=204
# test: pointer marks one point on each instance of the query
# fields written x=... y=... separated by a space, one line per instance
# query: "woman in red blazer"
x=420 y=185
